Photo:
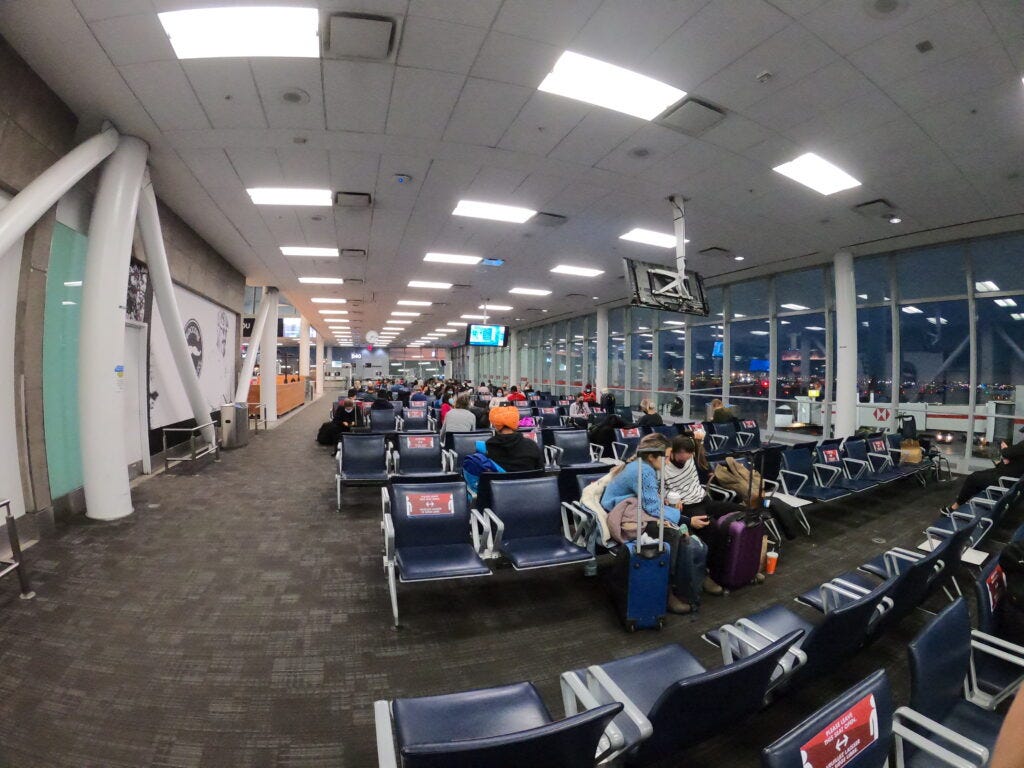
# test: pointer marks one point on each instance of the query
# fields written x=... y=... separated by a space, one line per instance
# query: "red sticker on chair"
x=996 y=583
x=634 y=432
x=548 y=410
x=878 y=446
x=749 y=424
x=531 y=435
x=831 y=455
x=844 y=738
x=426 y=441
x=417 y=414
x=430 y=504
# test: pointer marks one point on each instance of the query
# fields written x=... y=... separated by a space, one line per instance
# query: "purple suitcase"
x=737 y=563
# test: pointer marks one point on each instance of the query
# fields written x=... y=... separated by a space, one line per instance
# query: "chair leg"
x=337 y=492
x=393 y=589
x=804 y=522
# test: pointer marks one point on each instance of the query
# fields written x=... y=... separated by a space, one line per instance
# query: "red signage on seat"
x=548 y=410
x=878 y=446
x=633 y=432
x=421 y=441
x=996 y=583
x=844 y=738
x=430 y=504
x=417 y=414
x=531 y=435
x=749 y=424
x=831 y=455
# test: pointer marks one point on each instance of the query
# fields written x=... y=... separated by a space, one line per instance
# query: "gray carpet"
x=237 y=620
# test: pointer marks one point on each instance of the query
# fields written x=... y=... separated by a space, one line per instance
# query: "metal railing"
x=260 y=417
x=197 y=445
x=15 y=563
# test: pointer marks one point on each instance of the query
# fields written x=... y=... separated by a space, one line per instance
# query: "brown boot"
x=675 y=605
x=713 y=588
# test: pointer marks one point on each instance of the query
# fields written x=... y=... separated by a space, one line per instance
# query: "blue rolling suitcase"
x=639 y=578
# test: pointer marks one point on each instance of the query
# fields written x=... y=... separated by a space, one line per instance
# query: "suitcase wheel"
x=631 y=626
x=661 y=624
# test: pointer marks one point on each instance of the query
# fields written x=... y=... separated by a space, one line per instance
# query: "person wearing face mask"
x=515 y=396
x=579 y=412
x=589 y=394
x=447 y=404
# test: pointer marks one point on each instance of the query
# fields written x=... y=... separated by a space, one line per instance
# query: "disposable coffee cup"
x=673 y=497
x=772 y=562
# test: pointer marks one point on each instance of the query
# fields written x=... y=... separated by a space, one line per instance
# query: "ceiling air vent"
x=353 y=199
x=360 y=36
x=692 y=117
x=353 y=253
x=548 y=220
x=715 y=252
x=877 y=209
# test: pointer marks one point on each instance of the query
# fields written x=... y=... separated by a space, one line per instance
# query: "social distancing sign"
x=844 y=738
x=430 y=504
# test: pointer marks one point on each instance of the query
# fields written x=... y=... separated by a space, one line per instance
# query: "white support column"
x=726 y=345
x=101 y=342
x=245 y=377
x=601 y=356
x=304 y=348
x=513 y=358
x=845 y=422
x=773 y=358
x=163 y=291
x=320 y=364
x=46 y=189
x=268 y=361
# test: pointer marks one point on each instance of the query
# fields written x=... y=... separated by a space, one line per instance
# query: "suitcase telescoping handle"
x=640 y=454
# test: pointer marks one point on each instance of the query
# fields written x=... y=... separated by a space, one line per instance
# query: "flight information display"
x=486 y=335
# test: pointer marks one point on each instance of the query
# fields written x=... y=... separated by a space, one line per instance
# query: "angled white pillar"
x=101 y=344
x=601 y=359
x=845 y=422
x=268 y=361
x=320 y=365
x=304 y=348
x=163 y=291
x=46 y=189
x=242 y=391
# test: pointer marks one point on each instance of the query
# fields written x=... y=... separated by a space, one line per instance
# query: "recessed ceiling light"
x=895 y=219
x=738 y=258
x=817 y=173
x=862 y=296
x=530 y=292
x=456 y=322
x=1005 y=303
x=496 y=307
x=333 y=311
x=206 y=33
x=428 y=284
x=605 y=85
x=565 y=269
x=446 y=330
x=796 y=307
x=451 y=258
x=986 y=286
x=942 y=321
x=290 y=196
x=594 y=298
x=68 y=303
x=473 y=317
x=650 y=237
x=405 y=314
x=913 y=311
x=322 y=280
x=302 y=250
x=411 y=303
x=493 y=211
x=814 y=328
x=323 y=300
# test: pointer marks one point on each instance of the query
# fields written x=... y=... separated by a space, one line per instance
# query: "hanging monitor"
x=486 y=335
x=660 y=287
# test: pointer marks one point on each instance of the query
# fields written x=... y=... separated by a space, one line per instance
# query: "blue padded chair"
x=430 y=534
x=362 y=460
x=626 y=441
x=489 y=728
x=723 y=438
x=861 y=463
x=940 y=664
x=572 y=447
x=483 y=490
x=459 y=445
x=531 y=525
x=671 y=702
x=750 y=433
x=986 y=510
x=842 y=631
x=829 y=454
x=668 y=430
x=800 y=477
x=884 y=459
x=568 y=488
x=382 y=420
x=415 y=419
x=419 y=454
x=548 y=416
x=993 y=678
x=625 y=413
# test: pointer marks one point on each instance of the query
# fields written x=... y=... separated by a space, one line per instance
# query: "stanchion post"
x=12 y=536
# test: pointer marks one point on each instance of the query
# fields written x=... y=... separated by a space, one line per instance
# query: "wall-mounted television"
x=486 y=335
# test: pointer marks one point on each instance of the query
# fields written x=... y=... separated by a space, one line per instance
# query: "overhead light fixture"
x=1005 y=303
x=894 y=219
x=913 y=311
x=451 y=258
x=411 y=303
x=405 y=314
x=69 y=303
x=986 y=286
x=493 y=211
x=738 y=258
x=333 y=311
x=597 y=82
x=473 y=317
x=399 y=322
x=248 y=32
x=862 y=296
x=291 y=196
x=530 y=291
x=496 y=307
x=322 y=280
x=565 y=269
x=817 y=173
x=942 y=321
x=1017 y=315
x=456 y=322
x=673 y=322
x=73 y=284
x=650 y=237
x=325 y=300
x=302 y=250
x=795 y=307
x=446 y=330
x=814 y=328
x=428 y=284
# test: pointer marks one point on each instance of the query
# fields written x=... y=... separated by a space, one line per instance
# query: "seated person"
x=509 y=449
x=1011 y=463
x=382 y=401
x=498 y=398
x=720 y=414
x=579 y=412
x=603 y=433
x=589 y=394
x=683 y=595
x=347 y=417
x=650 y=417
x=483 y=389
x=515 y=396
x=420 y=395
x=460 y=418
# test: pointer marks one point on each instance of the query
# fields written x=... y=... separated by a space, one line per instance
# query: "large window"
x=801 y=356
x=671 y=362
x=798 y=291
x=617 y=348
x=932 y=272
x=1000 y=332
x=748 y=299
x=641 y=366
x=935 y=353
x=749 y=378
x=874 y=353
x=575 y=340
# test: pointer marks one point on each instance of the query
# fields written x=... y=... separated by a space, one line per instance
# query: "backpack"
x=677 y=408
x=327 y=434
x=733 y=476
x=608 y=402
x=473 y=465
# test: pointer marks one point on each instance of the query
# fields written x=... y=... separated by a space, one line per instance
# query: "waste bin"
x=234 y=425
x=783 y=416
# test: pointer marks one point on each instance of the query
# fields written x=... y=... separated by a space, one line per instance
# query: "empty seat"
x=626 y=441
x=993 y=678
x=362 y=460
x=829 y=454
x=668 y=430
x=419 y=454
x=861 y=463
x=801 y=477
x=572 y=448
x=415 y=419
x=884 y=459
x=549 y=416
x=382 y=420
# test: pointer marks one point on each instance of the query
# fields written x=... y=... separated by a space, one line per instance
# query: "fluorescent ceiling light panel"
x=496 y=307
x=493 y=211
x=333 y=311
x=817 y=173
x=398 y=322
x=1017 y=315
x=324 y=300
x=1005 y=303
x=473 y=317
x=814 y=328
x=452 y=258
x=650 y=237
x=428 y=284
x=759 y=333
x=913 y=311
x=291 y=196
x=208 y=33
x=322 y=280
x=597 y=82
x=303 y=250
x=985 y=286
x=942 y=321
x=446 y=330
x=73 y=284
x=405 y=314
x=565 y=269
x=796 y=307
x=456 y=322
x=673 y=322
x=410 y=303
x=530 y=291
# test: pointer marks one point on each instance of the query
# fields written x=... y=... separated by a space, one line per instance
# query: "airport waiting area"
x=549 y=383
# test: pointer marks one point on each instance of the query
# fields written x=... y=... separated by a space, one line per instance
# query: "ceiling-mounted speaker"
x=692 y=117
x=548 y=219
x=353 y=199
x=360 y=36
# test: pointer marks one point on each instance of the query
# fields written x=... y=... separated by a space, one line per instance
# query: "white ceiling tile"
x=853 y=117
x=422 y=101
x=357 y=95
x=659 y=142
x=256 y=167
x=516 y=60
x=848 y=26
x=211 y=168
x=275 y=77
x=576 y=198
x=625 y=32
x=554 y=23
x=598 y=133
x=393 y=195
x=711 y=39
x=305 y=167
x=542 y=123
x=484 y=111
x=227 y=92
x=476 y=13
x=133 y=39
x=441 y=45
x=797 y=8
x=496 y=185
x=93 y=10
x=353 y=171
x=675 y=170
x=166 y=94
x=736 y=133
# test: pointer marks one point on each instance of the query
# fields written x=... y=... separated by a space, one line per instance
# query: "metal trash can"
x=783 y=416
x=234 y=425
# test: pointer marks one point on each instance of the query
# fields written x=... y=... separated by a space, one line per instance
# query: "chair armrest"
x=1007 y=480
x=849 y=585
x=783 y=473
x=721 y=493
x=389 y=538
x=717 y=441
x=577 y=515
x=892 y=557
x=862 y=467
x=902 y=732
x=564 y=420
x=836 y=473
x=431 y=423
x=885 y=458
x=1011 y=653
x=619 y=450
x=393 y=460
x=499 y=526
x=554 y=454
x=600 y=683
x=483 y=538
x=744 y=438
x=832 y=596
x=574 y=693
x=596 y=451
x=399 y=423
x=981 y=501
x=385 y=502
x=995 y=492
x=771 y=485
x=748 y=644
x=386 y=755
x=452 y=458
